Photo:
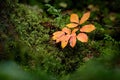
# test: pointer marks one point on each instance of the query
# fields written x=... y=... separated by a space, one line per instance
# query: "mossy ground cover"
x=26 y=39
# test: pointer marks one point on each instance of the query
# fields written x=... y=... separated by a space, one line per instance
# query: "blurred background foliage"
x=71 y=4
x=28 y=53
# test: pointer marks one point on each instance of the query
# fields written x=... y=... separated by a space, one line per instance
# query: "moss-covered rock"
x=43 y=52
x=26 y=38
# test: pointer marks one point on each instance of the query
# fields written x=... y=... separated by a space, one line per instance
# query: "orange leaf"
x=66 y=30
x=54 y=37
x=74 y=30
x=57 y=34
x=60 y=39
x=73 y=40
x=64 y=41
x=72 y=25
x=82 y=37
x=85 y=17
x=64 y=44
x=87 y=28
x=74 y=18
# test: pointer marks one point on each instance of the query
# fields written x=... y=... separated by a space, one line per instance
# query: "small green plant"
x=68 y=34
x=52 y=10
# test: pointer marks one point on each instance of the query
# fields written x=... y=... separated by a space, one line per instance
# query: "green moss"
x=31 y=45
x=34 y=33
